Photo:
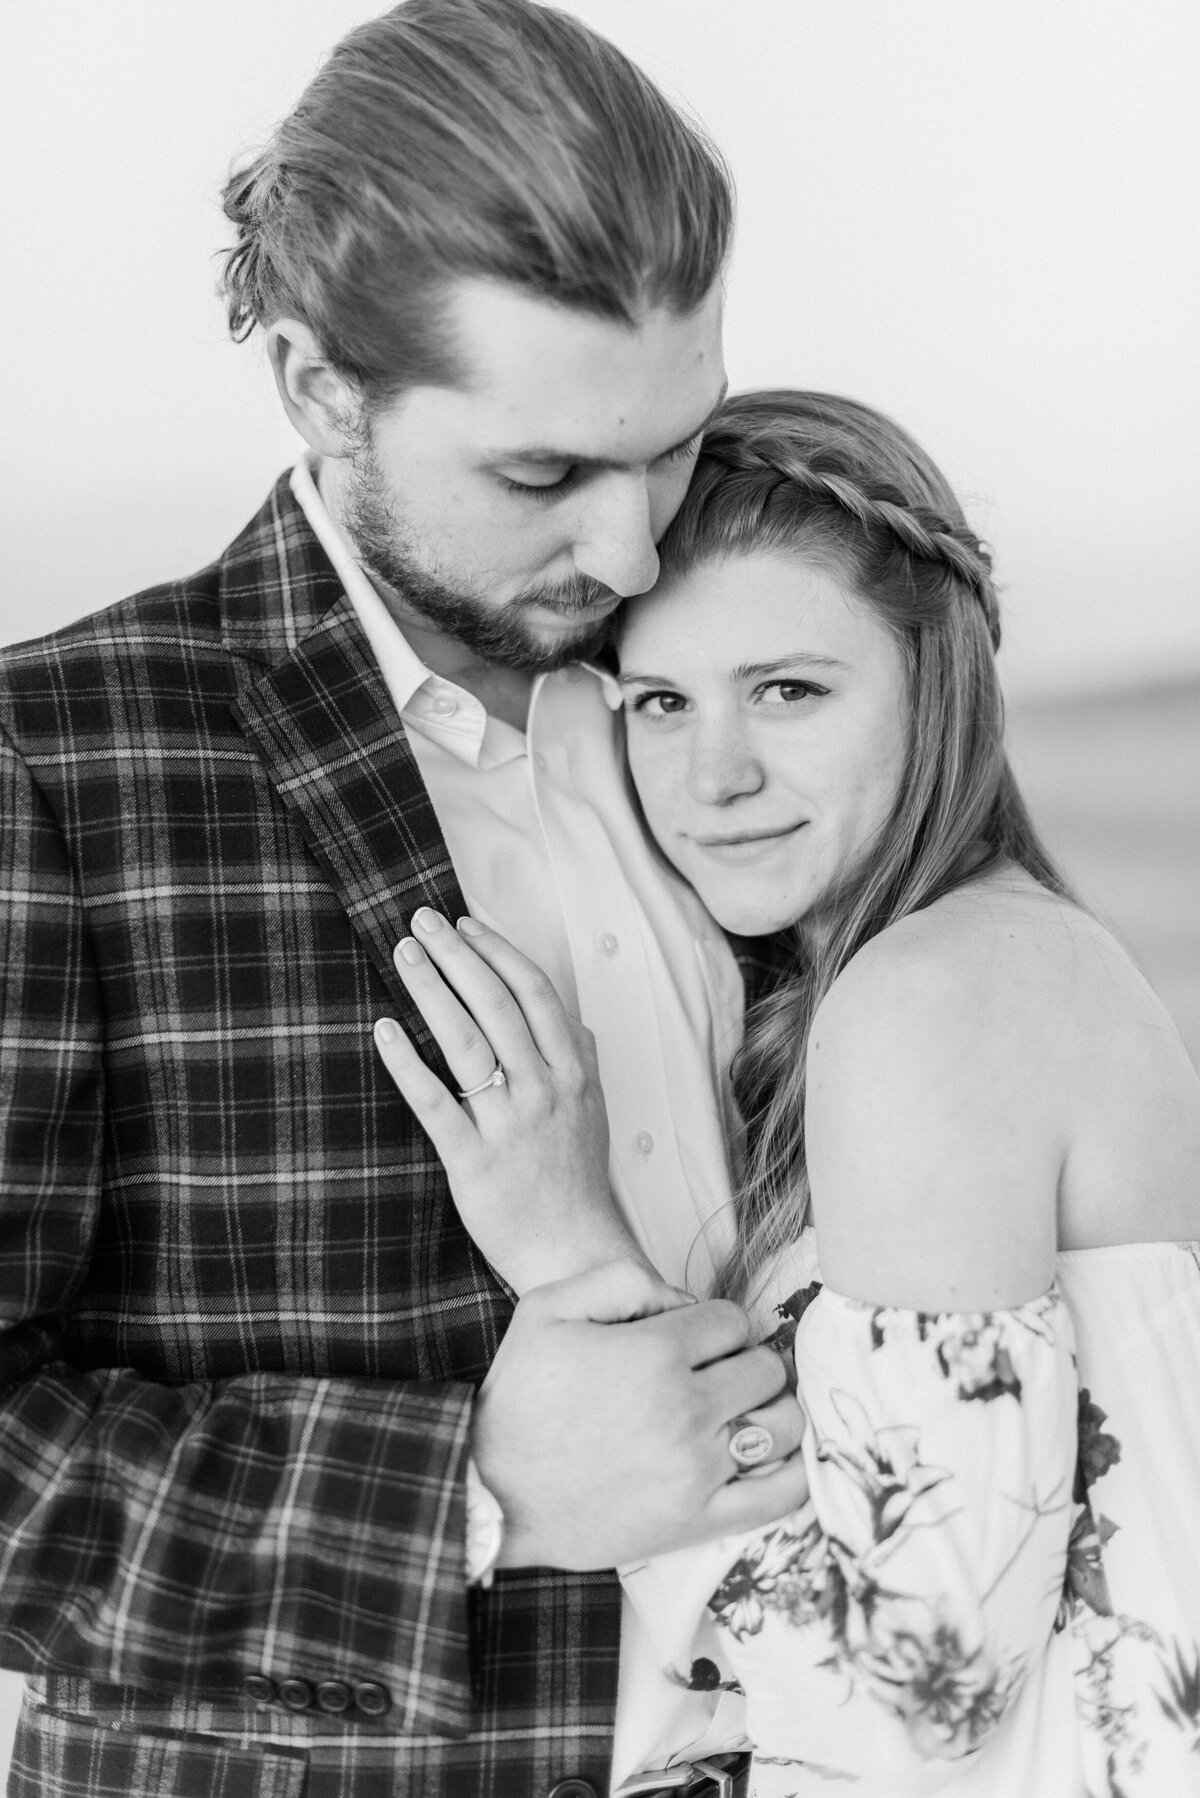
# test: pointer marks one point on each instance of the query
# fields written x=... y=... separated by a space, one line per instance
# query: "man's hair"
x=837 y=483
x=453 y=139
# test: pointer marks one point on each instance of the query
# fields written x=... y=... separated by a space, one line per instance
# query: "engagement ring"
x=497 y=1077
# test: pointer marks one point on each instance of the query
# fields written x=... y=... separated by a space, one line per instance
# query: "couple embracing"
x=540 y=1039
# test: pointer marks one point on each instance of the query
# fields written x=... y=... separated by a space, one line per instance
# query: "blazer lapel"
x=323 y=722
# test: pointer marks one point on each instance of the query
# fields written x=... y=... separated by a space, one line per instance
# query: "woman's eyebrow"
x=545 y=455
x=743 y=671
x=801 y=659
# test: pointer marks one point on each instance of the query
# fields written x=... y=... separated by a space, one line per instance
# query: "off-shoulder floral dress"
x=994 y=1589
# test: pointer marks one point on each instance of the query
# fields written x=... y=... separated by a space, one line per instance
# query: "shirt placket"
x=621 y=985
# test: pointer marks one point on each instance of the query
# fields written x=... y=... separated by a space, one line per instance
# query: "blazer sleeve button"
x=259 y=1688
x=372 y=1699
x=333 y=1696
x=297 y=1694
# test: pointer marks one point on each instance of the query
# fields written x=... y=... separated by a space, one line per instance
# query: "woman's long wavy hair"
x=834 y=482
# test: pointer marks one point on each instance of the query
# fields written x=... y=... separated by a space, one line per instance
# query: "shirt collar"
x=438 y=708
x=403 y=669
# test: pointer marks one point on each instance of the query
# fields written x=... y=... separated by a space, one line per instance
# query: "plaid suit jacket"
x=242 y=1324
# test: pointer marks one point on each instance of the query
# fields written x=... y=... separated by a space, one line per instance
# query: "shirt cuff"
x=485 y=1529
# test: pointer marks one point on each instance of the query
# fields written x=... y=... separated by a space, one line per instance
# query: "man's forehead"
x=547 y=378
x=550 y=455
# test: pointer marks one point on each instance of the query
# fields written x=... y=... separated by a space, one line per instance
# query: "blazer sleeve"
x=185 y=1538
x=882 y=1633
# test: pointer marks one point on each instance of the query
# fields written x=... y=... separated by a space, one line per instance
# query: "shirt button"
x=297 y=1694
x=445 y=705
x=333 y=1696
x=259 y=1688
x=371 y=1698
x=643 y=1142
x=573 y=1788
x=608 y=943
x=539 y=762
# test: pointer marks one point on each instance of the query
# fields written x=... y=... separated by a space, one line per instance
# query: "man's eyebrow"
x=541 y=455
x=743 y=671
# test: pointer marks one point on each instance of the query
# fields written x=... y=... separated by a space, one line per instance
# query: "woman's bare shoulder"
x=986 y=1078
x=999 y=954
x=935 y=1130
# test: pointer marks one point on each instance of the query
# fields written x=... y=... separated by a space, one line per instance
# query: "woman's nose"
x=723 y=767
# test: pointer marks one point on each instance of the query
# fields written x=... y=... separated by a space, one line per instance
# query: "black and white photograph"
x=600 y=899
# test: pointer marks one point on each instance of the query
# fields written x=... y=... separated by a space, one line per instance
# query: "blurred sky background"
x=981 y=217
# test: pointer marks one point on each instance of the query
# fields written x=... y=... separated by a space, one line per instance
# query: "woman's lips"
x=743 y=844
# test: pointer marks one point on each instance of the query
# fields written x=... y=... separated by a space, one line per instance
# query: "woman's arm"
x=884 y=1631
x=527 y=1165
x=527 y=1160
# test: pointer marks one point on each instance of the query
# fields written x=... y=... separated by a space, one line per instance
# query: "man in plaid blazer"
x=243 y=1325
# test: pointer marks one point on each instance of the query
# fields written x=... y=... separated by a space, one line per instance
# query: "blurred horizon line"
x=1144 y=686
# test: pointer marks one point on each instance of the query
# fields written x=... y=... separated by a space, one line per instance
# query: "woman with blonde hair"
x=970 y=1194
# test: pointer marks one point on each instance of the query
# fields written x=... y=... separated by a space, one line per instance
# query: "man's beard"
x=497 y=631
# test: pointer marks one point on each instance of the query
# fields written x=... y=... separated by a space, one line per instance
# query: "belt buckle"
x=722 y=1776
x=688 y=1779
x=657 y=1780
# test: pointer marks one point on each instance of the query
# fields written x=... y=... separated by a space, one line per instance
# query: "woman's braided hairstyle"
x=775 y=453
x=831 y=481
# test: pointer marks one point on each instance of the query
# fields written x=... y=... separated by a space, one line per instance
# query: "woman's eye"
x=660 y=704
x=789 y=692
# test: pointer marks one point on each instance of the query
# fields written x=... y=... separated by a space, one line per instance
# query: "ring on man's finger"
x=497 y=1077
x=751 y=1445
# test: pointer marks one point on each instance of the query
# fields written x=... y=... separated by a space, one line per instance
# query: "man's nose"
x=614 y=542
x=722 y=765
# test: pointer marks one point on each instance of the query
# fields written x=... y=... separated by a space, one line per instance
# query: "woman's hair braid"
x=920 y=530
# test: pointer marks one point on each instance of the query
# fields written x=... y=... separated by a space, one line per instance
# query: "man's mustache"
x=567 y=597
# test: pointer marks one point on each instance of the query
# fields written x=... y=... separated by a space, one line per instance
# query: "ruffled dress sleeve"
x=883 y=1632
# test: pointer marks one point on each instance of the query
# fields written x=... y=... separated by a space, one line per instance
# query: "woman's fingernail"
x=408 y=951
x=427 y=920
x=470 y=927
x=386 y=1031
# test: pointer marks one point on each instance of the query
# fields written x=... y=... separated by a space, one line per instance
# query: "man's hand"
x=603 y=1426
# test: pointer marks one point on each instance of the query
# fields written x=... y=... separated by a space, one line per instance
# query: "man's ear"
x=321 y=403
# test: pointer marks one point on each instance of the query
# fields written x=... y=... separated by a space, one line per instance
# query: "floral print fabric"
x=994 y=1591
x=1131 y=1608
x=884 y=1631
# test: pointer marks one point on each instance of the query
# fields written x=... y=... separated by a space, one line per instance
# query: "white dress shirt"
x=548 y=851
